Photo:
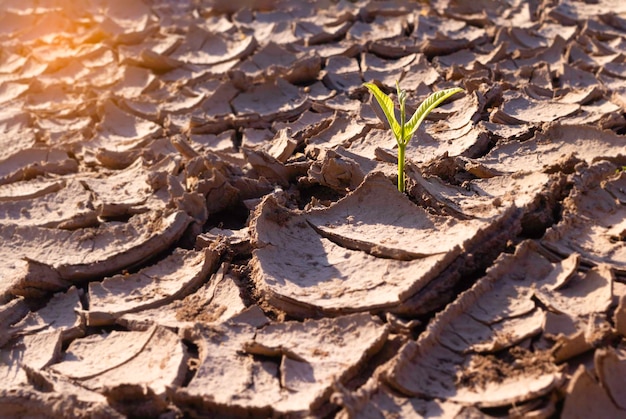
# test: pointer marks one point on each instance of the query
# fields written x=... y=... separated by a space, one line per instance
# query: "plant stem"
x=401 y=148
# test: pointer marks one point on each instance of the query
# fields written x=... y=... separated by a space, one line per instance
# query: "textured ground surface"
x=199 y=217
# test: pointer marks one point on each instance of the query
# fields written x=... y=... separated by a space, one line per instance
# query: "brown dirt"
x=199 y=217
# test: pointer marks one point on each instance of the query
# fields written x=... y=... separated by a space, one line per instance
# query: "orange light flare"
x=70 y=43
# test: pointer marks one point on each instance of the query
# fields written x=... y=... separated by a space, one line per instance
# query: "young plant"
x=404 y=130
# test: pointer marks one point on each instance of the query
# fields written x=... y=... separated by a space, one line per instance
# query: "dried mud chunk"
x=61 y=313
x=217 y=301
x=285 y=103
x=390 y=225
x=270 y=169
x=620 y=316
x=567 y=334
x=155 y=358
x=134 y=400
x=32 y=162
x=152 y=54
x=282 y=146
x=529 y=191
x=34 y=351
x=70 y=208
x=586 y=294
x=335 y=170
x=512 y=331
x=546 y=149
x=31 y=189
x=135 y=81
x=169 y=279
x=323 y=29
x=59 y=398
x=237 y=240
x=381 y=28
x=569 y=14
x=385 y=402
x=273 y=60
x=131 y=190
x=586 y=398
x=11 y=312
x=518 y=109
x=410 y=70
x=593 y=219
x=484 y=382
x=294 y=373
x=301 y=271
x=341 y=131
x=342 y=74
x=46 y=259
x=206 y=48
x=496 y=313
x=213 y=116
x=120 y=131
x=306 y=126
x=611 y=369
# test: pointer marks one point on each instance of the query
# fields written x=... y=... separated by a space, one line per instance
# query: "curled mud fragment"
x=60 y=398
x=170 y=279
x=281 y=369
x=380 y=28
x=11 y=312
x=69 y=208
x=62 y=313
x=137 y=188
x=342 y=74
x=237 y=240
x=384 y=402
x=274 y=60
x=496 y=313
x=120 y=131
x=34 y=351
x=217 y=301
x=518 y=109
x=323 y=28
x=593 y=219
x=32 y=162
x=611 y=369
x=390 y=226
x=586 y=294
x=324 y=270
x=549 y=147
x=271 y=169
x=40 y=258
x=278 y=100
x=30 y=189
x=620 y=316
x=336 y=170
x=136 y=400
x=126 y=358
x=385 y=71
x=585 y=397
x=208 y=48
x=341 y=131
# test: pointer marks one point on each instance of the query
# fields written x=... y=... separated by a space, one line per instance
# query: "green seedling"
x=404 y=130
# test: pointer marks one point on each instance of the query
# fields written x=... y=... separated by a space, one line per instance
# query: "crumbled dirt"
x=484 y=369
x=199 y=214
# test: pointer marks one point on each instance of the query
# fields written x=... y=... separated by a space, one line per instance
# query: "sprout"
x=403 y=130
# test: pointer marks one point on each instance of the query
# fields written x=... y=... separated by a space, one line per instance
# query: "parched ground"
x=199 y=217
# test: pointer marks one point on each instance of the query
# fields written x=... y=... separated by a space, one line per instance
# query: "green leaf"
x=386 y=104
x=431 y=102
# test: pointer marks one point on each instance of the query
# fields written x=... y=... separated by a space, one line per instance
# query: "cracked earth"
x=199 y=216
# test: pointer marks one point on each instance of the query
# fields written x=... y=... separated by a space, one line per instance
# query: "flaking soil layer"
x=199 y=214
